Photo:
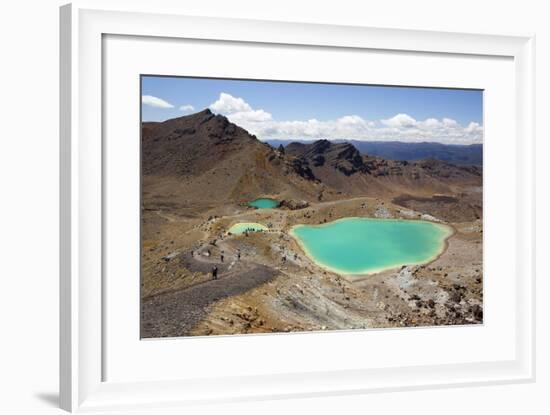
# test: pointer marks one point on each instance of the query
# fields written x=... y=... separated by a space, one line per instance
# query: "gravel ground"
x=175 y=314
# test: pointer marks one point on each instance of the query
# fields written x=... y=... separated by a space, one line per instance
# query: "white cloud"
x=345 y=127
x=249 y=116
x=228 y=104
x=399 y=121
x=400 y=127
x=239 y=111
x=431 y=122
x=449 y=122
x=474 y=127
x=187 y=108
x=155 y=102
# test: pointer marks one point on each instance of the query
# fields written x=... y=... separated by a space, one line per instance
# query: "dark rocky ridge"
x=346 y=159
x=458 y=154
x=342 y=156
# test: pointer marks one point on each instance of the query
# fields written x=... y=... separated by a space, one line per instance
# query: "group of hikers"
x=251 y=230
x=214 y=270
x=283 y=259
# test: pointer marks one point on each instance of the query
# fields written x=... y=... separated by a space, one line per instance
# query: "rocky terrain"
x=466 y=155
x=199 y=172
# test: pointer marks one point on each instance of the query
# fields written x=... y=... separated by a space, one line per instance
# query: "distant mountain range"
x=396 y=150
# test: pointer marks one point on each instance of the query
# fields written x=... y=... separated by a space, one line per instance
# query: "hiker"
x=238 y=254
x=221 y=256
x=215 y=272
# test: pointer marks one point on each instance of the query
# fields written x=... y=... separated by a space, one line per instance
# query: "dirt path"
x=175 y=314
x=200 y=263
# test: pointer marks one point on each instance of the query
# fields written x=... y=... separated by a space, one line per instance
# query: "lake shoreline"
x=361 y=275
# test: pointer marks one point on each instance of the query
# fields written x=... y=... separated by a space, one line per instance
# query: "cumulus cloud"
x=238 y=111
x=400 y=127
x=250 y=116
x=155 y=102
x=187 y=108
x=449 y=122
x=346 y=127
x=228 y=104
x=431 y=122
x=400 y=121
x=474 y=127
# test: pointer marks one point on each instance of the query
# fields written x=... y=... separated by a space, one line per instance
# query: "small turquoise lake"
x=243 y=227
x=366 y=245
x=264 y=203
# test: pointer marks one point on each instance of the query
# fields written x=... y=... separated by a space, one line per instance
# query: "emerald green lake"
x=242 y=227
x=264 y=203
x=365 y=245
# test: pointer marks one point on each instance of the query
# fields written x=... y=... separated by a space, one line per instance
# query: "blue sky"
x=312 y=110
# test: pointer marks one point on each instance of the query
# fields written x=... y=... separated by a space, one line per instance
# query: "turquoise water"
x=264 y=203
x=239 y=228
x=364 y=245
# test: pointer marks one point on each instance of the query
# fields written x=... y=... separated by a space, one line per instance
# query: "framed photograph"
x=255 y=224
x=260 y=210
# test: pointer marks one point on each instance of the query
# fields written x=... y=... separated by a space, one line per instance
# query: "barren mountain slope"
x=203 y=159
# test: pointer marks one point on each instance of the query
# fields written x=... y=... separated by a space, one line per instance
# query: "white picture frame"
x=84 y=25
